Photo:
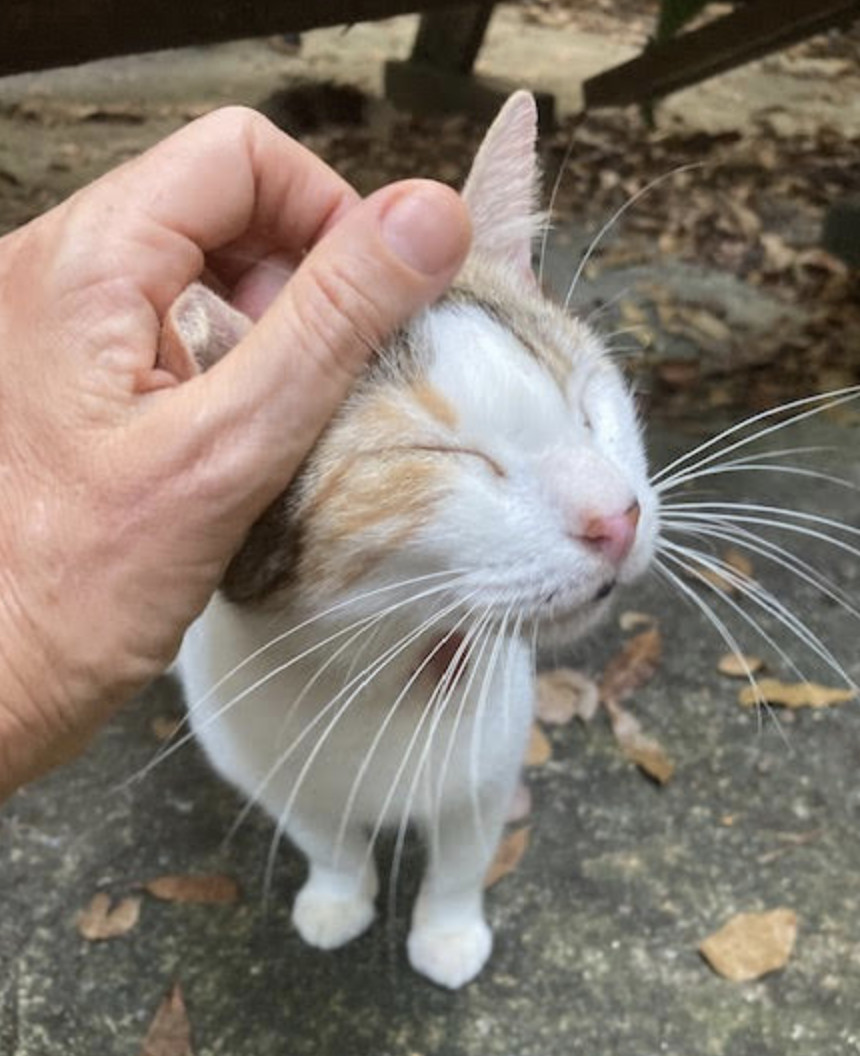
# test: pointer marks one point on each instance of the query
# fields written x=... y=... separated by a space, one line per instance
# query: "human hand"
x=126 y=493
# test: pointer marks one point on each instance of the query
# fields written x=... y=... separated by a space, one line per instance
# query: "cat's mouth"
x=556 y=602
x=605 y=590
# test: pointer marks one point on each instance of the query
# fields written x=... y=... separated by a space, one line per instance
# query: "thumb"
x=388 y=257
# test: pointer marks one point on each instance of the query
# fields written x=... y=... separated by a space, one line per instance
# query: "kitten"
x=368 y=661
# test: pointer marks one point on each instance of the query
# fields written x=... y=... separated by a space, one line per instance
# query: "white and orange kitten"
x=368 y=662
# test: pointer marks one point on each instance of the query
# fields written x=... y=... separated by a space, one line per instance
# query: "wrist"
x=37 y=731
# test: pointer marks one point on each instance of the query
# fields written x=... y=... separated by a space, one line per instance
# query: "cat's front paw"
x=450 y=957
x=326 y=921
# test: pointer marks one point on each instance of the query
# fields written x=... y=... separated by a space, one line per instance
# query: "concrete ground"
x=596 y=931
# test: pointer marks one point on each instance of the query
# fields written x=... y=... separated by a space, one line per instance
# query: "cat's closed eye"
x=468 y=452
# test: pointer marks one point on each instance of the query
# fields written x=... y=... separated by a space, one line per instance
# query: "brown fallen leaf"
x=632 y=620
x=539 y=750
x=98 y=921
x=727 y=583
x=739 y=562
x=169 y=1033
x=209 y=889
x=679 y=373
x=165 y=727
x=794 y=694
x=777 y=255
x=521 y=804
x=508 y=855
x=751 y=944
x=564 y=694
x=735 y=666
x=632 y=667
x=637 y=746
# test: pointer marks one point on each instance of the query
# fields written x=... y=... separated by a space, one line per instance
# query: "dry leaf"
x=564 y=694
x=794 y=694
x=98 y=921
x=637 y=746
x=521 y=804
x=751 y=944
x=165 y=727
x=169 y=1033
x=631 y=620
x=632 y=667
x=739 y=666
x=737 y=561
x=679 y=372
x=778 y=256
x=539 y=749
x=508 y=855
x=210 y=889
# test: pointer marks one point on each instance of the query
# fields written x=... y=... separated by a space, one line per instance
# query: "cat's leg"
x=450 y=940
x=336 y=902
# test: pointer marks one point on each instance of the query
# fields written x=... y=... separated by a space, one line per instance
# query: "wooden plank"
x=751 y=31
x=35 y=34
x=451 y=39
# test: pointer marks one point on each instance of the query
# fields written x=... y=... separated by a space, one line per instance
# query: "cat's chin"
x=564 y=628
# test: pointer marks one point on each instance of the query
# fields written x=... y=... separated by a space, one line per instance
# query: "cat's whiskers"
x=547 y=223
x=678 y=471
x=477 y=724
x=381 y=660
x=368 y=632
x=365 y=622
x=606 y=305
x=256 y=795
x=390 y=713
x=770 y=517
x=316 y=618
x=485 y=633
x=473 y=646
x=686 y=591
x=361 y=681
x=768 y=549
x=759 y=464
x=434 y=709
x=506 y=711
x=616 y=216
x=693 y=561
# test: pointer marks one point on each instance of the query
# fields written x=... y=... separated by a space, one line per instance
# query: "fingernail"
x=422 y=228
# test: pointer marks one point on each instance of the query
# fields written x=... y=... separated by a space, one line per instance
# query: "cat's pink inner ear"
x=199 y=329
x=503 y=187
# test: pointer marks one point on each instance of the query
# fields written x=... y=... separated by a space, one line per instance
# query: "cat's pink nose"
x=613 y=534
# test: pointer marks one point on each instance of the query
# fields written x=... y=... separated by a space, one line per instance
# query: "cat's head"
x=493 y=439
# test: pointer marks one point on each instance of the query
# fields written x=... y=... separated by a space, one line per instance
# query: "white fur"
x=246 y=741
x=335 y=740
x=513 y=537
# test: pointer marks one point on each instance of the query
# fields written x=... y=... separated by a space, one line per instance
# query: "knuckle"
x=340 y=320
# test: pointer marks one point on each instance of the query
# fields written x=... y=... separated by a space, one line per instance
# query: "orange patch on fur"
x=435 y=404
x=372 y=493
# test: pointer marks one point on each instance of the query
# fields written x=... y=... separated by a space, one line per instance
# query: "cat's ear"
x=503 y=187
x=199 y=329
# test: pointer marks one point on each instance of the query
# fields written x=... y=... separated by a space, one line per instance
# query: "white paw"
x=326 y=921
x=450 y=957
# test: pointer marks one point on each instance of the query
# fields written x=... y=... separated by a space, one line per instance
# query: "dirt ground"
x=715 y=289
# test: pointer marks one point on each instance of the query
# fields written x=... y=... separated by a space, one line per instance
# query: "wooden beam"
x=751 y=31
x=451 y=39
x=35 y=34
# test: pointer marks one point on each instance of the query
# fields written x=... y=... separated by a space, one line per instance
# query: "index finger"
x=230 y=178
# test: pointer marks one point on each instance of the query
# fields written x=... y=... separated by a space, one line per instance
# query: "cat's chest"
x=361 y=719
